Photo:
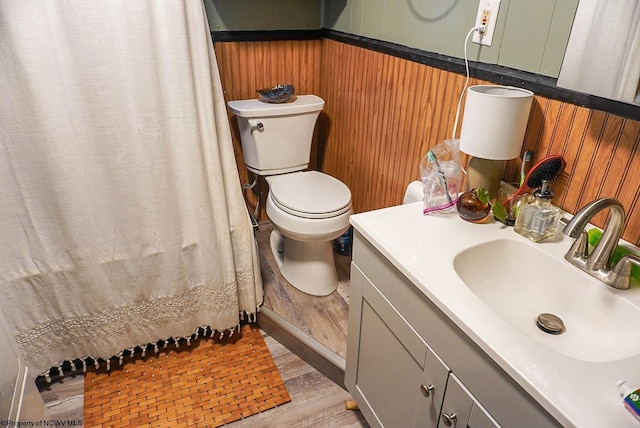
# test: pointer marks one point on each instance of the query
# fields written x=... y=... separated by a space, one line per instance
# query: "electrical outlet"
x=487 y=17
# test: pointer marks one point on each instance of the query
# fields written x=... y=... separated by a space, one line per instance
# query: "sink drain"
x=550 y=323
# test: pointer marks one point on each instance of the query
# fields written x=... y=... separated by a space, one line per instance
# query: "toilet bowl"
x=308 y=209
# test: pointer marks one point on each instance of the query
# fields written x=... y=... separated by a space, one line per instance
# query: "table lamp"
x=493 y=128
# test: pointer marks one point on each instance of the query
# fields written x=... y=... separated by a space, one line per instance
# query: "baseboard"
x=304 y=346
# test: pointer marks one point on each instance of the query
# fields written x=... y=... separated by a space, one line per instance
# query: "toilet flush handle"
x=257 y=127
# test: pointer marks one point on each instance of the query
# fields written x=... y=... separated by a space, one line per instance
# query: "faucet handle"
x=580 y=248
x=622 y=271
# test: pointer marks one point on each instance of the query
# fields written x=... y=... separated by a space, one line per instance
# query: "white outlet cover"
x=492 y=6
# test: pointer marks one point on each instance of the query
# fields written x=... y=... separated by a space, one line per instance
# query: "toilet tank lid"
x=257 y=108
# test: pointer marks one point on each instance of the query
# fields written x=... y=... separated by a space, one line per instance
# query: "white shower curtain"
x=122 y=220
x=603 y=53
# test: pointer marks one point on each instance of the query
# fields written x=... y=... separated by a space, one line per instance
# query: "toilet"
x=308 y=209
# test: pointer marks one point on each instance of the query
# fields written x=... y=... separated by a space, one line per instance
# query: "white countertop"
x=577 y=393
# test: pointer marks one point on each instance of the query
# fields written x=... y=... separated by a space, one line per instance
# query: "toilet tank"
x=276 y=138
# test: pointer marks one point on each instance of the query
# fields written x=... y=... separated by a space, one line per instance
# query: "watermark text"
x=43 y=423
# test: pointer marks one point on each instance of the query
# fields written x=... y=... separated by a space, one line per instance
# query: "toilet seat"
x=310 y=194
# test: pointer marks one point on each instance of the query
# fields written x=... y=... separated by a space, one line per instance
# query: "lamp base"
x=485 y=174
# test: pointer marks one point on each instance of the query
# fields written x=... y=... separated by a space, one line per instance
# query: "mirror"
x=604 y=63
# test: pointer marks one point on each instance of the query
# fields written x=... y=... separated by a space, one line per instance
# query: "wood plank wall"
x=383 y=113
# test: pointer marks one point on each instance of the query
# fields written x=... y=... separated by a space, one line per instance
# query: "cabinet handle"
x=426 y=390
x=449 y=419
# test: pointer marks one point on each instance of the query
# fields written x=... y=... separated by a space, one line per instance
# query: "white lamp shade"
x=495 y=121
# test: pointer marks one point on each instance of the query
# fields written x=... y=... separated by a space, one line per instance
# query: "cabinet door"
x=388 y=363
x=457 y=405
x=432 y=388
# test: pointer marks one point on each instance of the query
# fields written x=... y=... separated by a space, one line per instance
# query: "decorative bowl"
x=277 y=94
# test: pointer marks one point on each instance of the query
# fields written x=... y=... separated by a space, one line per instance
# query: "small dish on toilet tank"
x=277 y=94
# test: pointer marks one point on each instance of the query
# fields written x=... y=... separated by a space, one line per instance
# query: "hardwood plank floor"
x=64 y=398
x=316 y=401
x=323 y=318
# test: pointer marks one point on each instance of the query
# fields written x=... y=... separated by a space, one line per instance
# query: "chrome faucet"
x=599 y=264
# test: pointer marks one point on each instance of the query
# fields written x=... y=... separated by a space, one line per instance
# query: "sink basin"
x=519 y=281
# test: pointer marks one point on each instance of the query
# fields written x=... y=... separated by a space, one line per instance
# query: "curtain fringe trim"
x=71 y=365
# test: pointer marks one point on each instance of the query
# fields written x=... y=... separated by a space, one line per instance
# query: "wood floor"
x=323 y=318
x=316 y=401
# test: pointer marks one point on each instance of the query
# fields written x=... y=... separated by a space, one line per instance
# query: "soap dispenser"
x=538 y=220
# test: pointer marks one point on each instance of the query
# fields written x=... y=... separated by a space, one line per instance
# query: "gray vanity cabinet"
x=408 y=365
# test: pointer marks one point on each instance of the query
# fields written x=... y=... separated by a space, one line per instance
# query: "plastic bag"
x=441 y=178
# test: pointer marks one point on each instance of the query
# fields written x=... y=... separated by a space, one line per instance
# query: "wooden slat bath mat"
x=207 y=384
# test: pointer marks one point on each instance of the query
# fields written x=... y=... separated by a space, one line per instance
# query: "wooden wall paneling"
x=551 y=114
x=431 y=112
x=441 y=130
x=392 y=136
x=570 y=152
x=352 y=92
x=600 y=182
x=383 y=113
x=414 y=108
x=630 y=180
x=602 y=157
x=615 y=166
x=332 y=115
x=398 y=135
x=432 y=116
x=373 y=158
x=365 y=75
x=373 y=155
x=561 y=128
x=309 y=66
x=423 y=117
x=579 y=160
x=418 y=105
x=557 y=140
x=346 y=135
x=324 y=122
x=454 y=83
